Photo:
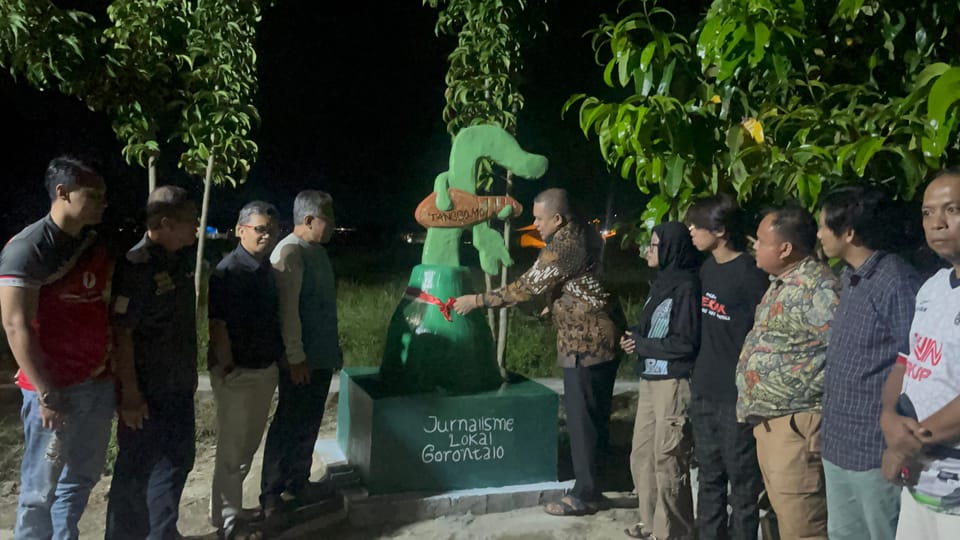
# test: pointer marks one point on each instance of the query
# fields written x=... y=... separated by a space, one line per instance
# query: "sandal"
x=570 y=506
x=636 y=531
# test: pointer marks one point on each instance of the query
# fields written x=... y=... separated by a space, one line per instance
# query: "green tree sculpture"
x=482 y=88
x=427 y=345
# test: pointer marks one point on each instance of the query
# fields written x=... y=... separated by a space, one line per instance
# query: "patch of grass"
x=363 y=314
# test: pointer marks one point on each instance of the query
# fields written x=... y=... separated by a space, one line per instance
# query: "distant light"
x=211 y=229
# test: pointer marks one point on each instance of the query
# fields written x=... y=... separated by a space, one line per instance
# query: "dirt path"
x=529 y=523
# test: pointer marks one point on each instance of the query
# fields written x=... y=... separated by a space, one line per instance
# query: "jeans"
x=726 y=452
x=288 y=451
x=861 y=505
x=54 y=492
x=151 y=470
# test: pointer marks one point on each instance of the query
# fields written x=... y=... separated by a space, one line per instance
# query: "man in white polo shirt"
x=921 y=401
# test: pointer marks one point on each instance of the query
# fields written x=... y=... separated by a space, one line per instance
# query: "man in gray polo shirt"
x=308 y=318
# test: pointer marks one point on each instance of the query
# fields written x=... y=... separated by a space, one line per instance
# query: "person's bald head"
x=555 y=201
x=941 y=215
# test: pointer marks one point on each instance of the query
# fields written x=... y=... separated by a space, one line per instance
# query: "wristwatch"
x=50 y=399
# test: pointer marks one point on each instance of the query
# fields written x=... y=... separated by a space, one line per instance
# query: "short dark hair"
x=556 y=200
x=65 y=171
x=256 y=208
x=720 y=213
x=863 y=210
x=166 y=202
x=796 y=225
x=949 y=171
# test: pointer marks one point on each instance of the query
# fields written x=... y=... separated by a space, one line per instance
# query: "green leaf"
x=866 y=152
x=667 y=78
x=929 y=73
x=657 y=207
x=848 y=9
x=943 y=95
x=655 y=171
x=626 y=166
x=809 y=186
x=647 y=83
x=569 y=103
x=623 y=72
x=761 y=38
x=647 y=55
x=674 y=177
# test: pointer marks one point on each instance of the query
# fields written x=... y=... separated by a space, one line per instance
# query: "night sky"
x=350 y=100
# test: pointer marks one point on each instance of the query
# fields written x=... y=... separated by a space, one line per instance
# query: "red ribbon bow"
x=445 y=307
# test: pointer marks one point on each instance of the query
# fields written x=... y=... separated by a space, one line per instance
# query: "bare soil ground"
x=527 y=523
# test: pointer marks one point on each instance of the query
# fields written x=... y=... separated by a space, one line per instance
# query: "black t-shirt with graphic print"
x=730 y=294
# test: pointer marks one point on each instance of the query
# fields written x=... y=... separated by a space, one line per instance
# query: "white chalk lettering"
x=467 y=439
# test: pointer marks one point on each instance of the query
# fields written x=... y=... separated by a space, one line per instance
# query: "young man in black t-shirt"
x=725 y=450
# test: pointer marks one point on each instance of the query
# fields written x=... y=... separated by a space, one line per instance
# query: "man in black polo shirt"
x=156 y=366
x=245 y=346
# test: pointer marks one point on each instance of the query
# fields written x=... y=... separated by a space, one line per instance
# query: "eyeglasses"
x=651 y=246
x=261 y=229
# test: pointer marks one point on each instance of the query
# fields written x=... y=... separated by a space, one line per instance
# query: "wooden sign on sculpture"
x=468 y=209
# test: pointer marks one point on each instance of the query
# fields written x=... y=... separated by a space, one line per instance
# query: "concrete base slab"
x=366 y=510
x=399 y=508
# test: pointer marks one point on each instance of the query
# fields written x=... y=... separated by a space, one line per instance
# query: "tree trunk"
x=502 y=330
x=490 y=311
x=151 y=174
x=201 y=240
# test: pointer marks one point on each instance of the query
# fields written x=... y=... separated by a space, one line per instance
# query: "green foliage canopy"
x=775 y=99
x=162 y=69
x=482 y=80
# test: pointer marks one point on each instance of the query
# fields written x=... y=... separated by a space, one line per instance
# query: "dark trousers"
x=587 y=398
x=288 y=452
x=150 y=471
x=727 y=453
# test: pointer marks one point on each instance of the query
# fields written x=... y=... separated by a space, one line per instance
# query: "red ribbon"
x=445 y=307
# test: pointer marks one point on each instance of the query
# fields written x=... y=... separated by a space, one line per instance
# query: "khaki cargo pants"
x=788 y=450
x=660 y=458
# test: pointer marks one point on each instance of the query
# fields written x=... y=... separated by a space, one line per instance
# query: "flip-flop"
x=570 y=506
x=636 y=531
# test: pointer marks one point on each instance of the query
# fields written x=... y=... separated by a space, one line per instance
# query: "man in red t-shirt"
x=53 y=282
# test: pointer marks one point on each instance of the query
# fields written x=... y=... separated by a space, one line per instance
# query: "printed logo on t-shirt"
x=709 y=305
x=652 y=366
x=164 y=283
x=927 y=352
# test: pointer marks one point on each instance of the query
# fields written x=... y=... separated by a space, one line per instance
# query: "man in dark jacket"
x=665 y=339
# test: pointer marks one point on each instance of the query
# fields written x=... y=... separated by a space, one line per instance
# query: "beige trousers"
x=660 y=459
x=788 y=450
x=243 y=403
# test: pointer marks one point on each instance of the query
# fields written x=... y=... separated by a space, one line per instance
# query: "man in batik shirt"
x=780 y=373
x=587 y=333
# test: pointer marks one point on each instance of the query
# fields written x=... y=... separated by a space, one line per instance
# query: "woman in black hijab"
x=665 y=339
